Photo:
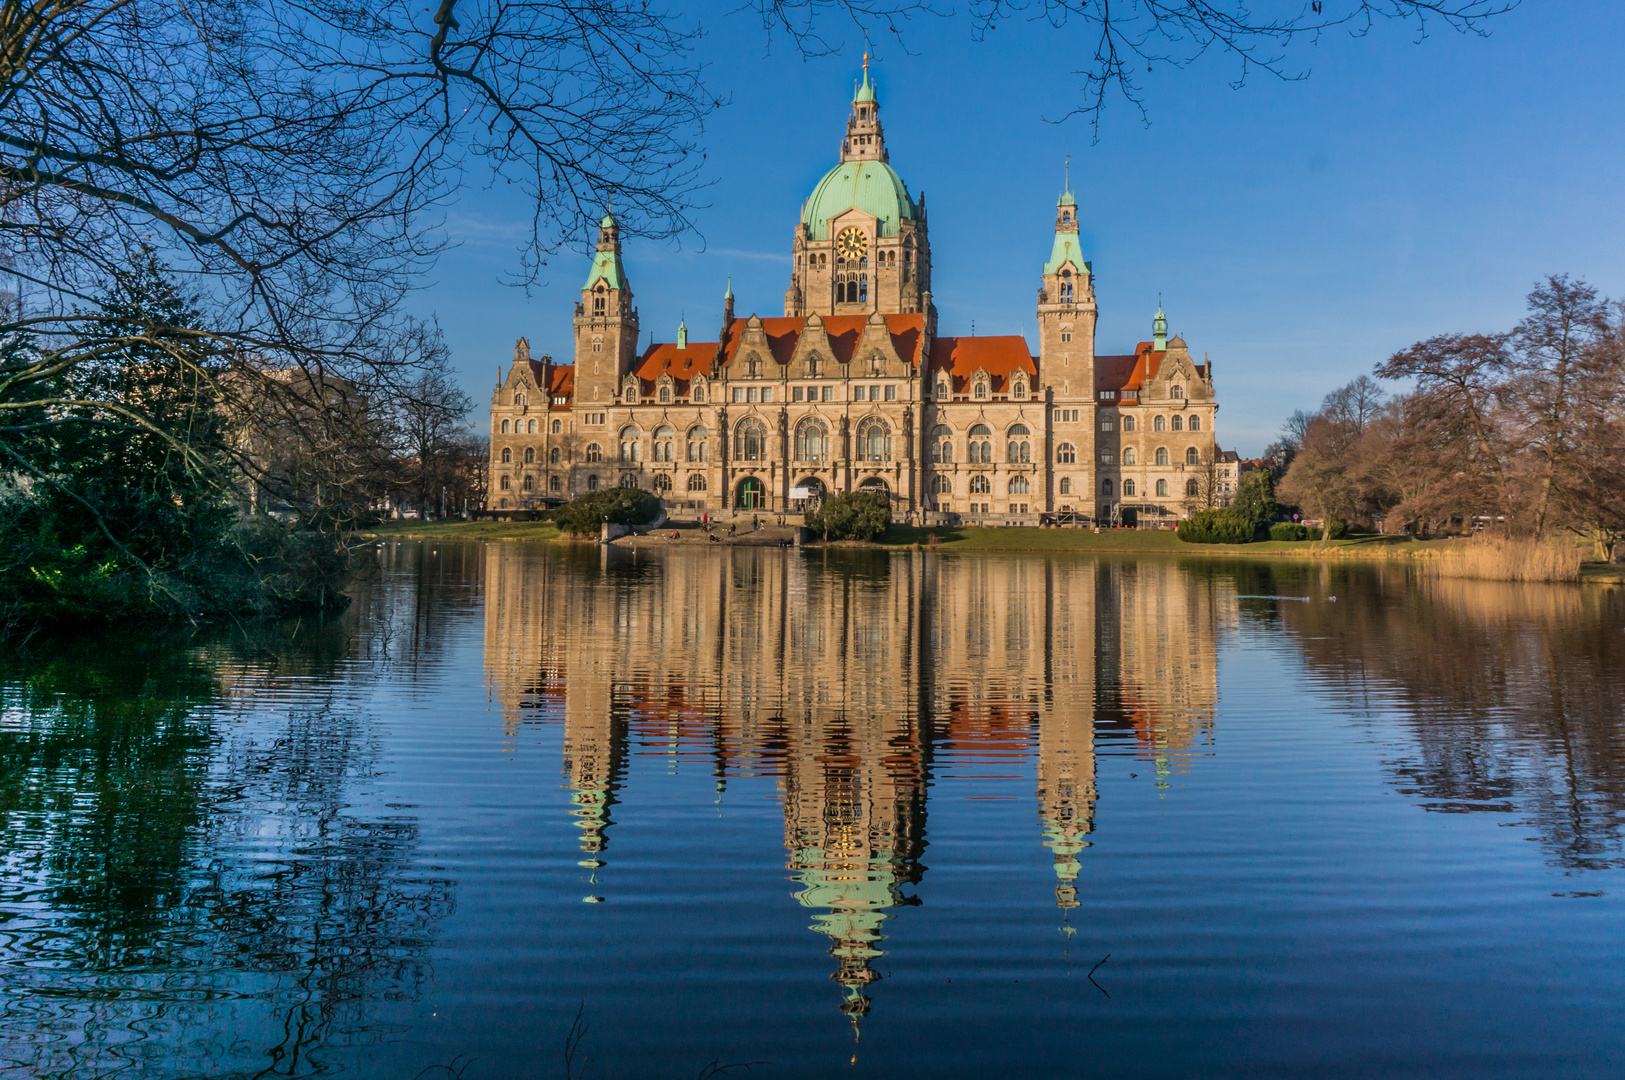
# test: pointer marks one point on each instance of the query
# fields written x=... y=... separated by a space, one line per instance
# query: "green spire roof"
x=606 y=265
x=1066 y=188
x=866 y=92
x=608 y=221
x=1159 y=328
x=729 y=295
x=1065 y=250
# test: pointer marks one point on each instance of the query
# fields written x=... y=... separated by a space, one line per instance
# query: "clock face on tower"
x=851 y=243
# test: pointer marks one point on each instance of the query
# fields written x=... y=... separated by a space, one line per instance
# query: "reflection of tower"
x=595 y=760
x=854 y=783
x=1066 y=736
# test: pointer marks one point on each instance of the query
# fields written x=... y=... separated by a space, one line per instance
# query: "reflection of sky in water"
x=928 y=793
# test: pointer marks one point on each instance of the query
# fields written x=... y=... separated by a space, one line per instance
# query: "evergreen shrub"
x=1289 y=530
x=1216 y=527
x=585 y=514
x=860 y=515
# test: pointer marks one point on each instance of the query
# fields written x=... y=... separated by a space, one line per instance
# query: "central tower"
x=861 y=245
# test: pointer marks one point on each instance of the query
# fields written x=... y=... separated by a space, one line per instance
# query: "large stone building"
x=853 y=388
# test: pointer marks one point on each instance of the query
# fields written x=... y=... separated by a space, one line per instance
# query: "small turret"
x=682 y=334
x=728 y=305
x=1159 y=330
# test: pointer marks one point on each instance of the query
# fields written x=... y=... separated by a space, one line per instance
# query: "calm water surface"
x=879 y=815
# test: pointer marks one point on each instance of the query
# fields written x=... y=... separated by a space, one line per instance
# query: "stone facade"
x=852 y=388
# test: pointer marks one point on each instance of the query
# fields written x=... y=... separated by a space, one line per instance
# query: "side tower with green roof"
x=606 y=323
x=1066 y=351
x=861 y=245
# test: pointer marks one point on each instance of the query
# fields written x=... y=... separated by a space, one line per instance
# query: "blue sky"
x=1298 y=233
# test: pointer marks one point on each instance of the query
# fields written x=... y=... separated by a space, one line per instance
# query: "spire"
x=1159 y=329
x=1066 y=187
x=729 y=295
x=864 y=139
x=728 y=307
x=682 y=334
x=866 y=92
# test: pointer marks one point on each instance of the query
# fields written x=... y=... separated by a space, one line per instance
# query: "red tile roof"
x=682 y=363
x=1000 y=357
x=844 y=332
x=1132 y=372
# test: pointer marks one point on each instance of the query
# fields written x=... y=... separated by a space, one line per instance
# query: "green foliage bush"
x=1216 y=527
x=1255 y=498
x=584 y=515
x=1289 y=530
x=860 y=515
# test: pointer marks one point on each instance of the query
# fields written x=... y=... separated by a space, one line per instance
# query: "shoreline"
x=990 y=540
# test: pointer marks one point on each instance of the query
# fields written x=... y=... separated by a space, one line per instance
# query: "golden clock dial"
x=851 y=243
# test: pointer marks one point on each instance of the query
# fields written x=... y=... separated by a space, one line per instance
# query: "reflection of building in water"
x=847 y=680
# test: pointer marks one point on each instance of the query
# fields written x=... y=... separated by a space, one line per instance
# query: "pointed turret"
x=728 y=306
x=1159 y=330
x=865 y=140
x=682 y=333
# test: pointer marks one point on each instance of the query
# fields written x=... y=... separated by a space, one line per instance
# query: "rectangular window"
x=829 y=393
x=796 y=394
x=767 y=393
x=891 y=393
x=1012 y=508
x=750 y=395
x=1108 y=395
x=739 y=393
x=1105 y=423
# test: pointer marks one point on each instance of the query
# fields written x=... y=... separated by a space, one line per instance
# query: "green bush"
x=1216 y=527
x=585 y=514
x=860 y=515
x=1289 y=530
x=1255 y=498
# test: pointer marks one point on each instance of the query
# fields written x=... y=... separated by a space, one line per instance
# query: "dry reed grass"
x=1495 y=558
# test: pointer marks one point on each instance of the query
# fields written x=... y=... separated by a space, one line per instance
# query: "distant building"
x=852 y=388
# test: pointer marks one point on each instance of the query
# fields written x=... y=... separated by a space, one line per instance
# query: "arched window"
x=594 y=452
x=506 y=483
x=1177 y=423
x=1018 y=449
x=981 y=448
x=699 y=442
x=507 y=455
x=530 y=483
x=1176 y=391
x=664 y=443
x=1019 y=486
x=554 y=456
x=1191 y=456
x=1190 y=489
x=1066 y=485
x=944 y=392
x=874 y=441
x=665 y=393
x=530 y=455
x=1066 y=454
x=629 y=480
x=558 y=426
x=980 y=391
x=504 y=427
x=752 y=441
x=697 y=392
x=1066 y=285
x=1162 y=455
x=1128 y=457
x=1128 y=423
x=812 y=441
x=1105 y=423
x=1106 y=488
x=531 y=427
x=592 y=483
x=553 y=484
x=1196 y=423
x=599 y=301
x=942 y=444
x=663 y=484
x=519 y=400
x=1019 y=389
x=630 y=450
x=981 y=485
x=942 y=485
x=1159 y=424
x=696 y=481
x=1162 y=489
x=753 y=365
x=1128 y=489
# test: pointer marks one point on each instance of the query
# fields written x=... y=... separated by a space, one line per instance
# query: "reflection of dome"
x=855 y=888
x=871 y=186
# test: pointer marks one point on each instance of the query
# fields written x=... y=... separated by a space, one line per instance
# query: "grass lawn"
x=407 y=529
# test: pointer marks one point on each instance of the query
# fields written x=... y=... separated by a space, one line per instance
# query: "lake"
x=831 y=813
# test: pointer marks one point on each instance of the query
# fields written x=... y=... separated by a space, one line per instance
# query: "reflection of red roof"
x=845 y=331
x=1000 y=357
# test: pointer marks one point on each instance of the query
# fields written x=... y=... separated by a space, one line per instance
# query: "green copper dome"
x=871 y=186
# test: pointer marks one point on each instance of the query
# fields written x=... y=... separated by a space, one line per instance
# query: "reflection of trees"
x=188 y=891
x=1512 y=693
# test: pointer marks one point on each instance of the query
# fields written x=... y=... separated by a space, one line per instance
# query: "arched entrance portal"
x=876 y=485
x=1131 y=517
x=808 y=492
x=750 y=494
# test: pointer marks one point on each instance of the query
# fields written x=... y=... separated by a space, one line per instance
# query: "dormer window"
x=980 y=392
x=942 y=391
x=1176 y=391
x=1020 y=389
x=665 y=394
